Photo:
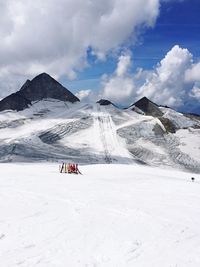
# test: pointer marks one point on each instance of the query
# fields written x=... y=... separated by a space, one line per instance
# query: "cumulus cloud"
x=174 y=81
x=193 y=73
x=54 y=36
x=83 y=94
x=166 y=84
x=119 y=87
x=195 y=92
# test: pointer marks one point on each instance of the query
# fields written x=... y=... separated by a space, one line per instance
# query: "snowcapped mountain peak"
x=53 y=129
x=91 y=133
x=44 y=86
x=148 y=107
x=105 y=102
x=41 y=87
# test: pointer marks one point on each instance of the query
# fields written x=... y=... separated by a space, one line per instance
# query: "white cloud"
x=119 y=86
x=195 y=92
x=123 y=65
x=193 y=74
x=83 y=94
x=166 y=84
x=54 y=36
x=173 y=82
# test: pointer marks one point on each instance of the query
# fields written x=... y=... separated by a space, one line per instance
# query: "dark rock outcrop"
x=44 y=86
x=41 y=87
x=104 y=102
x=192 y=116
x=25 y=85
x=168 y=124
x=157 y=129
x=14 y=101
x=148 y=107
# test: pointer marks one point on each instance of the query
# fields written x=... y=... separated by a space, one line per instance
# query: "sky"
x=120 y=50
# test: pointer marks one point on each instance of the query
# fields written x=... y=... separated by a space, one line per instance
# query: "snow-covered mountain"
x=54 y=219
x=41 y=87
x=55 y=130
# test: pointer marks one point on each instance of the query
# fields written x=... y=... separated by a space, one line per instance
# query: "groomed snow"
x=89 y=134
x=112 y=215
x=190 y=142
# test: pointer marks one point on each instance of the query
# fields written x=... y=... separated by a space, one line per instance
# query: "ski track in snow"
x=112 y=215
x=101 y=122
x=88 y=134
x=113 y=149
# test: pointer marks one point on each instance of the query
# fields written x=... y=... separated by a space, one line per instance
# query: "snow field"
x=190 y=142
x=112 y=215
x=52 y=130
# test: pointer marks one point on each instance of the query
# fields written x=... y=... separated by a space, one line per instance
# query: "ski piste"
x=111 y=145
x=113 y=215
x=86 y=133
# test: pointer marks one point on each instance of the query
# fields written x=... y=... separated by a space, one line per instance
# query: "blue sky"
x=178 y=23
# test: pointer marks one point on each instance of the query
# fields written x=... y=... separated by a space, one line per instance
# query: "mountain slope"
x=41 y=87
x=90 y=133
x=148 y=107
x=16 y=101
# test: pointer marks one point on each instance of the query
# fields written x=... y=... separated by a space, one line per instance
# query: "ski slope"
x=86 y=133
x=112 y=215
x=112 y=146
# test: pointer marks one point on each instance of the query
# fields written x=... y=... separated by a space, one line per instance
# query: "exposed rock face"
x=148 y=107
x=25 y=85
x=158 y=131
x=169 y=126
x=14 y=101
x=41 y=87
x=44 y=86
x=192 y=116
x=104 y=102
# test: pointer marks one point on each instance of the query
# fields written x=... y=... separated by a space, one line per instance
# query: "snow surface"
x=52 y=130
x=190 y=142
x=112 y=215
x=179 y=120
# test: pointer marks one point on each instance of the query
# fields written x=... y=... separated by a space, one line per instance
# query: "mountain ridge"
x=50 y=130
x=41 y=87
x=148 y=107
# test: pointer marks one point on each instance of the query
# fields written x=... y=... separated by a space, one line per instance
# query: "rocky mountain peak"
x=148 y=107
x=41 y=87
x=26 y=84
x=104 y=102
